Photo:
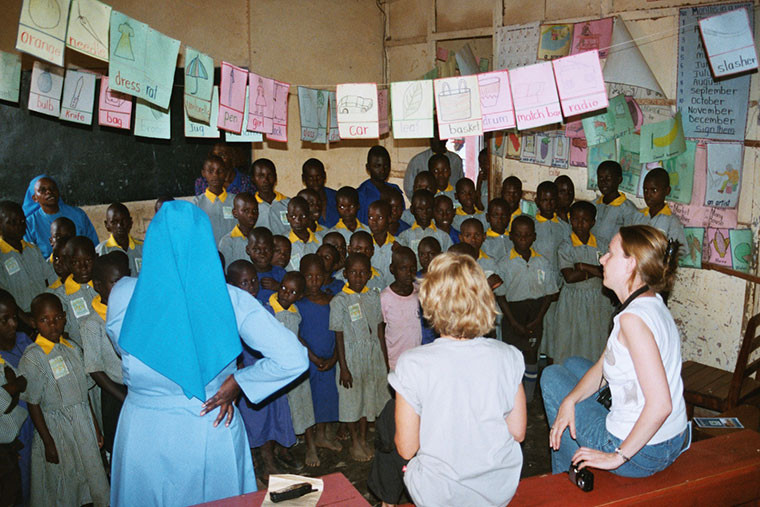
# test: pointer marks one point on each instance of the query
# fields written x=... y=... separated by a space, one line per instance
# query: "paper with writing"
x=45 y=89
x=496 y=101
x=10 y=76
x=534 y=94
x=580 y=83
x=357 y=111
x=724 y=174
x=233 y=100
x=78 y=97
x=592 y=34
x=516 y=45
x=88 y=28
x=280 y=112
x=457 y=103
x=200 y=129
x=260 y=103
x=152 y=121
x=199 y=85
x=662 y=140
x=114 y=108
x=312 y=106
x=412 y=109
x=728 y=40
x=42 y=29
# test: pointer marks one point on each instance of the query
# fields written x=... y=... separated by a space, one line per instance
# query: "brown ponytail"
x=656 y=256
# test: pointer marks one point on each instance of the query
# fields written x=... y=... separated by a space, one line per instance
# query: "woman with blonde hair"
x=644 y=429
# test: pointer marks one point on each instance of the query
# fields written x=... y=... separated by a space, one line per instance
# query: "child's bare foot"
x=324 y=443
x=367 y=449
x=358 y=453
x=342 y=433
x=311 y=459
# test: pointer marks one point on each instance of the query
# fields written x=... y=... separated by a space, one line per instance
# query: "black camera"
x=583 y=478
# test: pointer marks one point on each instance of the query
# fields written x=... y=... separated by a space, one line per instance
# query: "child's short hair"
x=564 y=178
x=583 y=206
x=658 y=175
x=8 y=207
x=472 y=222
x=612 y=166
x=261 y=233
x=308 y=192
x=215 y=159
x=464 y=249
x=378 y=151
x=160 y=202
x=112 y=260
x=442 y=198
x=117 y=206
x=498 y=201
x=314 y=259
x=456 y=298
x=423 y=193
x=334 y=235
x=312 y=162
x=430 y=242
x=438 y=157
x=264 y=162
x=382 y=206
x=295 y=275
x=459 y=187
x=298 y=201
x=512 y=180
x=80 y=242
x=425 y=175
x=6 y=298
x=349 y=193
x=43 y=300
x=236 y=268
x=403 y=252
x=547 y=186
x=362 y=236
x=358 y=257
x=523 y=220
x=388 y=192
x=244 y=197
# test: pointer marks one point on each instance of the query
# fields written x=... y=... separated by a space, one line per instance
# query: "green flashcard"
x=662 y=140
x=152 y=121
x=200 y=129
x=694 y=238
x=10 y=76
x=199 y=84
x=628 y=156
x=595 y=156
x=741 y=248
x=681 y=172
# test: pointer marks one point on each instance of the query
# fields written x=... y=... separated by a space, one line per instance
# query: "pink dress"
x=403 y=330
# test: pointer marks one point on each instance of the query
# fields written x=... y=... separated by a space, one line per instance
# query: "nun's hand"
x=224 y=398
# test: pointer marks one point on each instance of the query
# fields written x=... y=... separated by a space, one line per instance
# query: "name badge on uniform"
x=138 y=264
x=79 y=306
x=295 y=259
x=355 y=311
x=227 y=212
x=284 y=218
x=11 y=266
x=59 y=368
x=541 y=276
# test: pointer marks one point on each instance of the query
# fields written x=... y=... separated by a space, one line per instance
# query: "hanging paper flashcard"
x=333 y=133
x=457 y=104
x=560 y=151
x=10 y=76
x=357 y=111
x=555 y=41
x=741 y=249
x=719 y=247
x=312 y=105
x=694 y=238
x=580 y=83
x=514 y=145
x=152 y=121
x=42 y=29
x=412 y=109
x=280 y=112
x=625 y=65
x=729 y=43
x=544 y=149
x=199 y=85
x=499 y=144
x=88 y=28
x=534 y=94
x=592 y=34
x=382 y=111
x=611 y=124
x=681 y=172
x=516 y=45
x=528 y=149
x=574 y=129
x=724 y=174
x=260 y=103
x=114 y=108
x=578 y=152
x=596 y=155
x=233 y=100
x=45 y=89
x=662 y=140
x=245 y=136
x=628 y=157
x=466 y=61
x=200 y=129
x=78 y=97
x=496 y=101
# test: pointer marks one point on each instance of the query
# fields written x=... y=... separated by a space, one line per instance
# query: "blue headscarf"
x=30 y=205
x=180 y=320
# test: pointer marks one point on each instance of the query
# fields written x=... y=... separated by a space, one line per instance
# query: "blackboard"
x=93 y=164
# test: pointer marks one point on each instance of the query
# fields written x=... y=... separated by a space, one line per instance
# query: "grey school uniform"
x=529 y=279
x=497 y=246
x=583 y=313
x=490 y=266
x=274 y=216
x=450 y=193
x=99 y=354
x=77 y=303
x=24 y=274
x=133 y=251
x=669 y=224
x=219 y=211
x=381 y=259
x=232 y=246
x=299 y=248
x=378 y=281
x=341 y=228
x=611 y=217
x=412 y=237
x=357 y=316
x=460 y=216
x=58 y=384
x=10 y=424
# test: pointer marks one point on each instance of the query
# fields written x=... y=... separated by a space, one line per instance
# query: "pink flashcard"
x=534 y=94
x=718 y=247
x=496 y=101
x=592 y=34
x=280 y=113
x=260 y=103
x=115 y=108
x=574 y=129
x=580 y=83
x=232 y=98
x=578 y=152
x=382 y=110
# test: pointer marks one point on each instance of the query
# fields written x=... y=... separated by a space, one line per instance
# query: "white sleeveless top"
x=627 y=397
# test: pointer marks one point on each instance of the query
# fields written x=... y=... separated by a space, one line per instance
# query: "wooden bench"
x=720 y=471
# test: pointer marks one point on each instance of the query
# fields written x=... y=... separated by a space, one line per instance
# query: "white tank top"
x=627 y=397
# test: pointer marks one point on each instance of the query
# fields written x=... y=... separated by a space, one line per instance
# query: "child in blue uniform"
x=423 y=181
x=565 y=196
x=273 y=206
x=61 y=228
x=440 y=167
x=329 y=255
x=379 y=169
x=260 y=250
x=511 y=192
x=313 y=176
x=245 y=209
x=382 y=239
x=657 y=213
x=216 y=201
x=347 y=200
x=315 y=211
x=362 y=243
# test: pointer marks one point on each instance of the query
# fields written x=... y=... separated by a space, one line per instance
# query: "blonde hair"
x=456 y=298
x=656 y=263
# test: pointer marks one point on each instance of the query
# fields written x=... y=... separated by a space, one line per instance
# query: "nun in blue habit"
x=178 y=328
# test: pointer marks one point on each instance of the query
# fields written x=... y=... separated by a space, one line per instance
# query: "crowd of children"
x=339 y=269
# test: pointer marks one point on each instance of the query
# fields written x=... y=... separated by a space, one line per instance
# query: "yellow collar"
x=347 y=290
x=389 y=238
x=112 y=242
x=374 y=272
x=5 y=247
x=277 y=307
x=617 y=202
x=46 y=345
x=56 y=284
x=541 y=219
x=577 y=242
x=490 y=233
x=342 y=225
x=449 y=188
x=99 y=307
x=462 y=213
x=2 y=361
x=277 y=197
x=211 y=196
x=664 y=211
x=236 y=233
x=319 y=228
x=70 y=286
x=482 y=255
x=418 y=226
x=513 y=254
x=294 y=238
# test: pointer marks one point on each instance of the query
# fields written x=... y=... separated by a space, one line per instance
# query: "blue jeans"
x=556 y=383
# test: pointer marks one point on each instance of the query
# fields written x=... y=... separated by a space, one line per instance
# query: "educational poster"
x=596 y=155
x=729 y=43
x=499 y=144
x=312 y=106
x=528 y=148
x=719 y=247
x=457 y=104
x=412 y=109
x=592 y=34
x=496 y=101
x=260 y=103
x=534 y=94
x=516 y=45
x=78 y=97
x=152 y=121
x=724 y=174
x=114 y=108
x=466 y=61
x=514 y=145
x=142 y=61
x=712 y=109
x=45 y=89
x=199 y=85
x=42 y=29
x=615 y=122
x=233 y=98
x=88 y=28
x=662 y=140
x=681 y=172
x=578 y=152
x=333 y=133
x=625 y=66
x=694 y=241
x=555 y=41
x=560 y=151
x=357 y=111
x=199 y=129
x=10 y=76
x=580 y=83
x=637 y=115
x=280 y=119
x=544 y=149
x=382 y=111
x=245 y=135
x=574 y=129
x=741 y=249
x=628 y=157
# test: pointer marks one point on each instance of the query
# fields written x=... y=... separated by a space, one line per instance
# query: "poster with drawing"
x=592 y=34
x=741 y=242
x=312 y=108
x=628 y=157
x=613 y=123
x=728 y=40
x=560 y=151
x=498 y=144
x=580 y=83
x=578 y=152
x=233 y=98
x=516 y=45
x=694 y=243
x=681 y=172
x=199 y=85
x=718 y=247
x=280 y=112
x=42 y=29
x=357 y=111
x=574 y=129
x=514 y=145
x=333 y=133
x=496 y=101
x=87 y=32
x=260 y=103
x=457 y=104
x=534 y=94
x=245 y=135
x=205 y=130
x=10 y=76
x=596 y=155
x=724 y=174
x=626 y=69
x=662 y=140
x=555 y=41
x=528 y=148
x=412 y=109
x=45 y=89
x=382 y=111
x=152 y=121
x=544 y=149
x=114 y=108
x=78 y=97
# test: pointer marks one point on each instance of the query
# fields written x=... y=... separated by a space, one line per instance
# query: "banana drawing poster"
x=42 y=29
x=729 y=43
x=662 y=140
x=10 y=76
x=412 y=109
x=88 y=28
x=718 y=247
x=724 y=174
x=78 y=97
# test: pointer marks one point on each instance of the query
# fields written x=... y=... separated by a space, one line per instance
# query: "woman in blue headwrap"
x=178 y=328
